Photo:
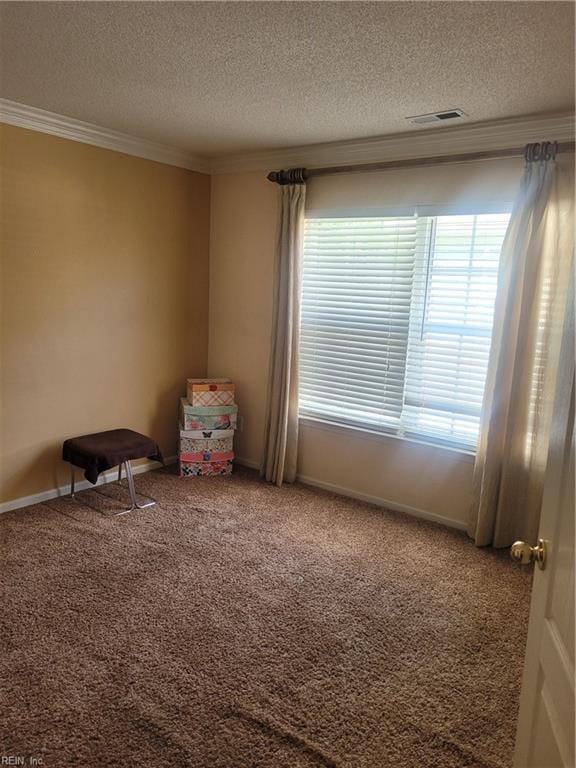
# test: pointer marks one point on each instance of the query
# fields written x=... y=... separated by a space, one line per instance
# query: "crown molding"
x=441 y=140
x=23 y=116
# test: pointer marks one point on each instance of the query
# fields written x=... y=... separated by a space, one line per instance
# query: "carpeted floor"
x=236 y=625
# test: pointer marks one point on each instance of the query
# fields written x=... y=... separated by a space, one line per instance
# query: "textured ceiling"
x=221 y=77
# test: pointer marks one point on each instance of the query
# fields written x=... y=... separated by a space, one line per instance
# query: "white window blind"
x=396 y=322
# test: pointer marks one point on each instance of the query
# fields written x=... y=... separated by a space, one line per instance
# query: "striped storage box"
x=207 y=392
x=193 y=445
x=206 y=434
x=207 y=418
x=197 y=468
x=207 y=456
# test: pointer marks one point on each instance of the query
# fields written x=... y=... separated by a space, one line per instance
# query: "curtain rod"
x=544 y=150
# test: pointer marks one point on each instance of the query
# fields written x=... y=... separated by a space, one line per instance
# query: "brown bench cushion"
x=104 y=450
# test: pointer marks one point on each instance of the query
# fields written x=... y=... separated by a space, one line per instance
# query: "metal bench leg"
x=132 y=490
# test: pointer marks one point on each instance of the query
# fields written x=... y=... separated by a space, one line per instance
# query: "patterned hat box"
x=207 y=392
x=206 y=456
x=215 y=444
x=206 y=434
x=207 y=418
x=197 y=468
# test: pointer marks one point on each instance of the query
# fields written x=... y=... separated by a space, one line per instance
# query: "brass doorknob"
x=523 y=553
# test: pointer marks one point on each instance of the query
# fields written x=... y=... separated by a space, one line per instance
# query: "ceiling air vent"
x=436 y=117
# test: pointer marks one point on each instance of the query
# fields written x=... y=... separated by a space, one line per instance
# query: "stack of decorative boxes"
x=208 y=417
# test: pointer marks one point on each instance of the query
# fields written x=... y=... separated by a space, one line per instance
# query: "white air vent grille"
x=436 y=117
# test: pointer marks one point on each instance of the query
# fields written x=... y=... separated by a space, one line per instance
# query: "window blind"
x=358 y=277
x=396 y=321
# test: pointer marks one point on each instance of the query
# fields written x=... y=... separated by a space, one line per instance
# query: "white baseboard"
x=376 y=500
x=64 y=490
x=379 y=502
x=111 y=475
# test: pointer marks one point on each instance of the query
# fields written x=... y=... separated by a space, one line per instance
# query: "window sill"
x=460 y=454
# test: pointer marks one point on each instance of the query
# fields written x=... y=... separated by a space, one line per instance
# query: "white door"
x=545 y=736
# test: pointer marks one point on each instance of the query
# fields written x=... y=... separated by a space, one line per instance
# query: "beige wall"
x=105 y=298
x=243 y=230
x=105 y=313
x=425 y=478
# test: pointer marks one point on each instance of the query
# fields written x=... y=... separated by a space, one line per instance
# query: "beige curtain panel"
x=281 y=435
x=530 y=308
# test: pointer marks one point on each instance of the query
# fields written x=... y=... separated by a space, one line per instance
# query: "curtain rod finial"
x=541 y=151
x=288 y=176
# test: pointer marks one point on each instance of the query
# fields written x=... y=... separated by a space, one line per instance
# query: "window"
x=397 y=320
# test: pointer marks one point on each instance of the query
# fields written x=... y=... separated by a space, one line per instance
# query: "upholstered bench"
x=103 y=450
